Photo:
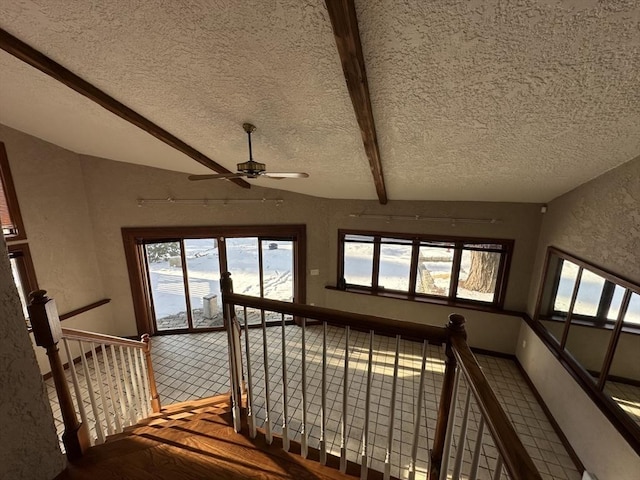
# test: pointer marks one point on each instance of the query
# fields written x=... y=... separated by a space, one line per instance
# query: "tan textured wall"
x=598 y=221
x=113 y=189
x=28 y=442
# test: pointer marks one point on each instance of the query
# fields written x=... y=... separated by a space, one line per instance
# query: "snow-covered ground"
x=203 y=273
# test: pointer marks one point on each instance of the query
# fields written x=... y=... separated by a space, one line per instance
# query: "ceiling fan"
x=250 y=169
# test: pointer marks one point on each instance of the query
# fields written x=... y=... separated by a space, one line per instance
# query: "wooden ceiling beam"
x=345 y=30
x=33 y=57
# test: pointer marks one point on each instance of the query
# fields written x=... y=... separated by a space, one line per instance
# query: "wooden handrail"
x=84 y=336
x=513 y=452
x=339 y=318
x=84 y=309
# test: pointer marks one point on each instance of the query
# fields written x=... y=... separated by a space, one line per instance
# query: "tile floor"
x=196 y=366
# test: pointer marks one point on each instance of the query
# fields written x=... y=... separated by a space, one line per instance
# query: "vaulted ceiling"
x=472 y=100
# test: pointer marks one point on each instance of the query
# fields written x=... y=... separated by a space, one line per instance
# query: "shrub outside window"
x=423 y=267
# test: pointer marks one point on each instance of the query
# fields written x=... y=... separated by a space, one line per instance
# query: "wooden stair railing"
x=119 y=386
x=460 y=366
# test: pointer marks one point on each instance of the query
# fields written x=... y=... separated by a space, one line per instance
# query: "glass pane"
x=167 y=285
x=243 y=263
x=616 y=301
x=203 y=275
x=395 y=265
x=632 y=317
x=568 y=276
x=589 y=294
x=358 y=263
x=624 y=375
x=19 y=286
x=588 y=345
x=277 y=269
x=478 y=275
x=434 y=270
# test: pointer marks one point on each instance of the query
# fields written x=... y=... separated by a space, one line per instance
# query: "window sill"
x=471 y=305
x=590 y=324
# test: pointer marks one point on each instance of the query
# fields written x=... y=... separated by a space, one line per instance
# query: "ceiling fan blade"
x=216 y=176
x=284 y=174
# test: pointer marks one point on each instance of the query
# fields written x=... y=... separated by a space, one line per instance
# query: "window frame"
x=458 y=245
x=11 y=198
x=26 y=270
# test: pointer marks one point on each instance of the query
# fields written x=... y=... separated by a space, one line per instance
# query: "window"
x=24 y=274
x=175 y=272
x=423 y=267
x=10 y=217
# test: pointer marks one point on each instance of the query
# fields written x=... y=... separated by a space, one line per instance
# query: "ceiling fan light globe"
x=251 y=168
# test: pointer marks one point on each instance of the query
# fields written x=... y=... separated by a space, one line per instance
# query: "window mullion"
x=455 y=270
x=376 y=263
x=185 y=281
x=574 y=296
x=413 y=269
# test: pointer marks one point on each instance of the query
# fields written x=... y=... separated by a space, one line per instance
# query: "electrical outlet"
x=314 y=272
x=524 y=344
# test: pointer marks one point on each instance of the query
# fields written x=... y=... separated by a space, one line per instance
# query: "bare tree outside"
x=483 y=272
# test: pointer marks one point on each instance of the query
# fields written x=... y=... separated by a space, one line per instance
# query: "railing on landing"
x=461 y=366
x=111 y=393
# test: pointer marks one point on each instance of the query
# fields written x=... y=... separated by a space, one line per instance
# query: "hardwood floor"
x=196 y=441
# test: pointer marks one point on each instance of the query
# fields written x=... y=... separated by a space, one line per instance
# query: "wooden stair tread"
x=200 y=446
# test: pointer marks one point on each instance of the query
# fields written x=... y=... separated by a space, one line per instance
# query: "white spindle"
x=76 y=385
x=234 y=379
x=463 y=435
x=416 y=425
x=367 y=408
x=473 y=471
x=323 y=398
x=345 y=398
x=449 y=433
x=304 y=435
x=145 y=382
x=92 y=396
x=107 y=372
x=127 y=376
x=267 y=403
x=285 y=412
x=498 y=470
x=392 y=412
x=138 y=379
x=116 y=371
x=134 y=386
x=103 y=397
x=251 y=419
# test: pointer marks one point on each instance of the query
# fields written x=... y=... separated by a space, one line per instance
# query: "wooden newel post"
x=454 y=327
x=47 y=333
x=153 y=388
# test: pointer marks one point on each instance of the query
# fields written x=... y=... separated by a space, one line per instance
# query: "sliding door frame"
x=135 y=238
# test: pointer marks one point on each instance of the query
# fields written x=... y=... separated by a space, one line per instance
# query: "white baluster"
x=449 y=433
x=76 y=385
x=135 y=387
x=103 y=397
x=141 y=392
x=127 y=375
x=92 y=396
x=323 y=407
x=473 y=472
x=267 y=404
x=121 y=400
x=285 y=412
x=251 y=419
x=367 y=408
x=145 y=382
x=498 y=470
x=345 y=397
x=392 y=412
x=304 y=435
x=416 y=425
x=463 y=436
x=107 y=372
x=233 y=368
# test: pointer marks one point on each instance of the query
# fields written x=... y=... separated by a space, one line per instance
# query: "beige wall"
x=28 y=441
x=600 y=222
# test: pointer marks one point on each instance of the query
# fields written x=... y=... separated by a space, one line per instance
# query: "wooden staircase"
x=195 y=440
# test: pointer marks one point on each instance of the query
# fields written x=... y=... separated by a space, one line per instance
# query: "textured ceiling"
x=481 y=100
